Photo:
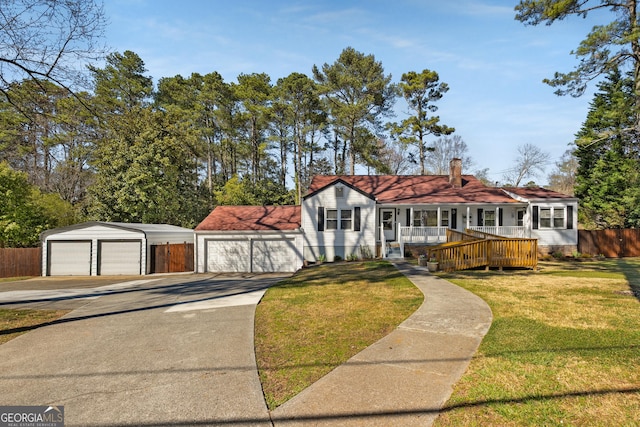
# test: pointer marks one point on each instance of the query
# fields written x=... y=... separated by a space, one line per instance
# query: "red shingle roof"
x=537 y=193
x=412 y=189
x=250 y=218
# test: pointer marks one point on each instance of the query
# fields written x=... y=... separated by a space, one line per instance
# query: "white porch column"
x=468 y=216
x=497 y=217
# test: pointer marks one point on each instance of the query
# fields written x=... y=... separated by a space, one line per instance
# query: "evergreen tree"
x=358 y=95
x=144 y=157
x=607 y=179
x=308 y=120
x=254 y=92
x=606 y=48
x=421 y=91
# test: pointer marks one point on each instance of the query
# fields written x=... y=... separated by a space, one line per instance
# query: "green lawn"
x=15 y=319
x=315 y=321
x=563 y=349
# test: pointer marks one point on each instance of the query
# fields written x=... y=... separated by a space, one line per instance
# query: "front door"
x=388 y=219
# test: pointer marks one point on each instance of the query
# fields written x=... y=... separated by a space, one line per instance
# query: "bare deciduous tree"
x=563 y=178
x=49 y=40
x=443 y=150
x=530 y=162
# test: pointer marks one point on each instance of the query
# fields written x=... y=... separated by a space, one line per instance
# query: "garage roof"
x=252 y=218
x=145 y=228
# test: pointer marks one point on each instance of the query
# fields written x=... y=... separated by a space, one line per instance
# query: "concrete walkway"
x=177 y=351
x=406 y=377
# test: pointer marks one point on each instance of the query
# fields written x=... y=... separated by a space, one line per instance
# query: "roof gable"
x=252 y=218
x=412 y=189
x=322 y=185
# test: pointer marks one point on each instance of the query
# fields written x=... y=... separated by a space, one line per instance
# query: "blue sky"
x=493 y=64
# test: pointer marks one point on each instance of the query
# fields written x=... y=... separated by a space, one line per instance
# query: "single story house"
x=365 y=215
x=105 y=248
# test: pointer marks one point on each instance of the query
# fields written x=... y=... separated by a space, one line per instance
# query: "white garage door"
x=256 y=256
x=228 y=256
x=69 y=258
x=119 y=257
x=272 y=256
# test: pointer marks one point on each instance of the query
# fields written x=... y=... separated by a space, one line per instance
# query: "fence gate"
x=172 y=258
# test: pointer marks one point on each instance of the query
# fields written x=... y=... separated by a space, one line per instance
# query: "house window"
x=332 y=219
x=545 y=217
x=339 y=219
x=417 y=218
x=444 y=219
x=558 y=218
x=339 y=192
x=429 y=218
x=387 y=220
x=345 y=219
x=490 y=218
x=520 y=217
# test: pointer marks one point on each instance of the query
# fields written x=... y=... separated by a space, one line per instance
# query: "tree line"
x=125 y=150
x=132 y=152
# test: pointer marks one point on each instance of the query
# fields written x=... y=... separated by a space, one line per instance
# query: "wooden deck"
x=474 y=249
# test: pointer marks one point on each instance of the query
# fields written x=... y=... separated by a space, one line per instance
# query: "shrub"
x=366 y=252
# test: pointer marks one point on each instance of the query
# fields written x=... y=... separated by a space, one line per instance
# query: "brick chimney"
x=455 y=173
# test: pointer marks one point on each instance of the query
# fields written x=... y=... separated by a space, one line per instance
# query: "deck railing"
x=476 y=249
x=503 y=231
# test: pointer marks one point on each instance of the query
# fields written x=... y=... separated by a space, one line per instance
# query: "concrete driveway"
x=173 y=350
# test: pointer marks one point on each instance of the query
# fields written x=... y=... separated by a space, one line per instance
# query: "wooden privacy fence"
x=612 y=243
x=16 y=262
x=172 y=258
x=480 y=249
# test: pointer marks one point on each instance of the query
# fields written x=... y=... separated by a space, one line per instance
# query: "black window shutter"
x=320 y=218
x=569 y=217
x=535 y=217
x=500 y=218
x=408 y=211
x=480 y=218
x=356 y=218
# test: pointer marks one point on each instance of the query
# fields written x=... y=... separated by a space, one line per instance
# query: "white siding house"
x=552 y=218
x=105 y=248
x=338 y=221
x=380 y=215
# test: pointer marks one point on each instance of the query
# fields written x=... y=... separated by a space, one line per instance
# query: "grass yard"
x=15 y=319
x=563 y=349
x=313 y=322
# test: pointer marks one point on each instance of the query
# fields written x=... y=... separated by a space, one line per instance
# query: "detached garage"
x=105 y=248
x=250 y=239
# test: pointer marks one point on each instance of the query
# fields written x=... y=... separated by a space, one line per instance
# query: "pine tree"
x=608 y=177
